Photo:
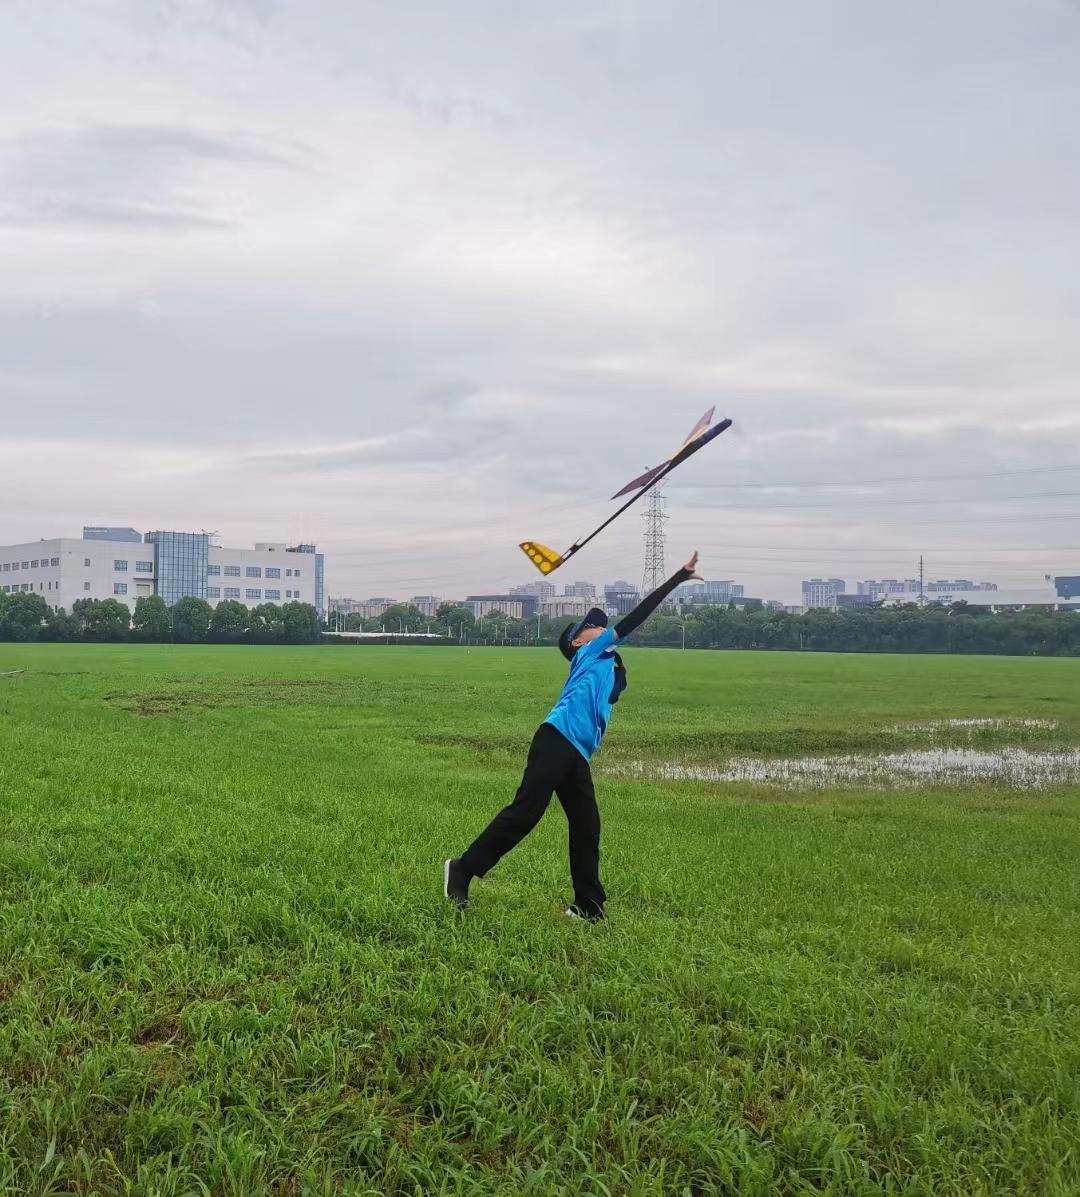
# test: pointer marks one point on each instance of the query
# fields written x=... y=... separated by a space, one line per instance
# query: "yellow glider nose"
x=541 y=556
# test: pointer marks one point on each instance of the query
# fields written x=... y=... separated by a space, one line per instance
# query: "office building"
x=822 y=592
x=959 y=584
x=620 y=598
x=887 y=586
x=1008 y=599
x=844 y=601
x=517 y=606
x=537 y=590
x=568 y=606
x=580 y=590
x=709 y=594
x=119 y=563
x=427 y=604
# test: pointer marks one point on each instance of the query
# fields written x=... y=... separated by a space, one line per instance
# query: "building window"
x=296 y=573
x=86 y=561
x=119 y=588
x=7 y=566
x=232 y=591
x=232 y=571
x=55 y=561
x=180 y=560
x=86 y=586
x=26 y=565
x=34 y=564
x=120 y=567
x=253 y=571
x=213 y=592
x=25 y=587
x=273 y=594
x=273 y=571
x=253 y=594
x=213 y=571
x=144 y=567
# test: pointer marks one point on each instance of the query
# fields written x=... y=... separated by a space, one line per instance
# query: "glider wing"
x=644 y=480
x=649 y=475
x=547 y=560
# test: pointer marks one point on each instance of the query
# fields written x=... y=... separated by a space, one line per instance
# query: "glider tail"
x=546 y=560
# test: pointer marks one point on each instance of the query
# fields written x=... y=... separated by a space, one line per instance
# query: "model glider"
x=547 y=560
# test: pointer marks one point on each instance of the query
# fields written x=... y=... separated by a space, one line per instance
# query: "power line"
x=1046 y=494
x=877 y=481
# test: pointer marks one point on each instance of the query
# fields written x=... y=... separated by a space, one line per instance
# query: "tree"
x=301 y=622
x=60 y=627
x=229 y=622
x=151 y=619
x=102 y=619
x=22 y=616
x=402 y=617
x=266 y=624
x=191 y=620
x=453 y=614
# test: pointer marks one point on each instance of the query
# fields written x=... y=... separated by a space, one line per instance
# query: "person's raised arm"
x=648 y=605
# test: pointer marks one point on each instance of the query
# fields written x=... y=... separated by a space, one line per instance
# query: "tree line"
x=958 y=628
x=188 y=621
x=903 y=628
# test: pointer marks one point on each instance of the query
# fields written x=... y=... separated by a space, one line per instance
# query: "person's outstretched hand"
x=691 y=567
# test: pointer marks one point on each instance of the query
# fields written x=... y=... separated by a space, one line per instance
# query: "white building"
x=427 y=604
x=573 y=606
x=119 y=563
x=1006 y=599
x=822 y=592
x=941 y=586
x=711 y=593
x=521 y=606
x=888 y=586
x=580 y=590
x=538 y=590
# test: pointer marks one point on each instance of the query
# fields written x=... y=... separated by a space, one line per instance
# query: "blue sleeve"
x=595 y=648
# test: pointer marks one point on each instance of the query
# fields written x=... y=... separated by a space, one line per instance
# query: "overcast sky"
x=417 y=281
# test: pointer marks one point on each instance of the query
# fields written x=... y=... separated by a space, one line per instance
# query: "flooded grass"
x=1017 y=767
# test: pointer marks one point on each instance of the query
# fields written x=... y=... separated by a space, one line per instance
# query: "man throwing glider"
x=559 y=755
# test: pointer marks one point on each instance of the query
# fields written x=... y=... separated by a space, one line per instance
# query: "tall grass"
x=226 y=966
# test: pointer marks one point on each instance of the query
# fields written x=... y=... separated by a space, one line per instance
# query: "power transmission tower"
x=655 y=516
x=922 y=583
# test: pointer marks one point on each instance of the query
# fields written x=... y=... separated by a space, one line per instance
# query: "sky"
x=420 y=281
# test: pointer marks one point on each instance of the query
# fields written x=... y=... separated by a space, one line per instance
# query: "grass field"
x=226 y=966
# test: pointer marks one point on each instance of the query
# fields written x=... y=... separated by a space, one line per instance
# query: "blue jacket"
x=583 y=708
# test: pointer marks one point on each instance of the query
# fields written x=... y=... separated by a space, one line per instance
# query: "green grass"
x=226 y=966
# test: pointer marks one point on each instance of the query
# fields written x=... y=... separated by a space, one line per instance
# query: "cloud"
x=417 y=283
x=134 y=177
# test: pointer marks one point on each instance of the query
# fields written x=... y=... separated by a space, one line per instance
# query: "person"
x=558 y=760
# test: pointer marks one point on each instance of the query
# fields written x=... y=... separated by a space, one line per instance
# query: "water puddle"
x=936 y=725
x=1017 y=767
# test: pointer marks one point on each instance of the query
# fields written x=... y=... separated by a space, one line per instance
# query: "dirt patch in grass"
x=246 y=692
x=312 y=683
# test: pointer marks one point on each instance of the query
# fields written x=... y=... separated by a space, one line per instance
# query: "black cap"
x=596 y=618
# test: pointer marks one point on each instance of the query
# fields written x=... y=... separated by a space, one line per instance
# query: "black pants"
x=554 y=764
